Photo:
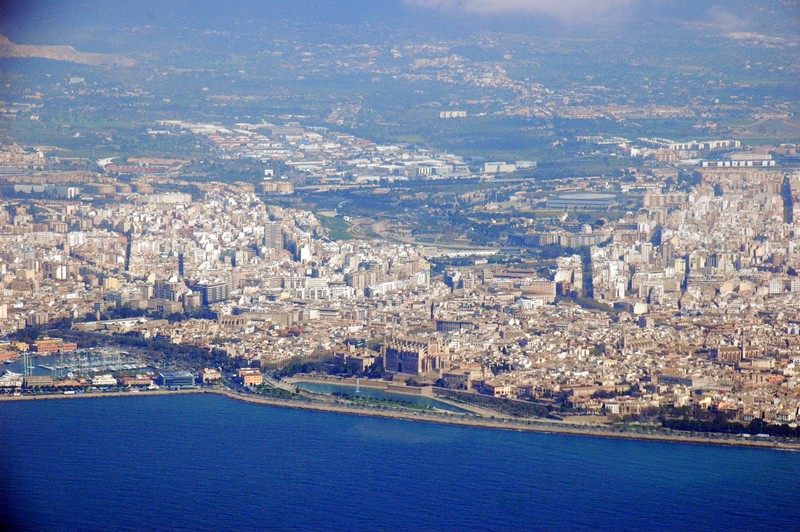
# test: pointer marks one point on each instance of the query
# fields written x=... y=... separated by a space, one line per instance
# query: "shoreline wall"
x=442 y=418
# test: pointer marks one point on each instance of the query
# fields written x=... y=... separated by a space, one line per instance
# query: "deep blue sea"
x=205 y=462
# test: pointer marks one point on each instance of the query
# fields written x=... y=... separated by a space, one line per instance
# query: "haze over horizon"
x=41 y=22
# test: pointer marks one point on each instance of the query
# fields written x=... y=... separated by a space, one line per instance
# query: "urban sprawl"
x=689 y=299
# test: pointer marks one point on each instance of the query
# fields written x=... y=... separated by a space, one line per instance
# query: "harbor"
x=83 y=362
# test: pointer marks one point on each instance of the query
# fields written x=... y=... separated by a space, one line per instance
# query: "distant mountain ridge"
x=63 y=53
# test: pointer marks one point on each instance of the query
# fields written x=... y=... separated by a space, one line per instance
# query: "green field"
x=336 y=226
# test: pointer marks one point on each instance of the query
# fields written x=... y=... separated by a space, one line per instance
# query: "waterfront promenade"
x=474 y=421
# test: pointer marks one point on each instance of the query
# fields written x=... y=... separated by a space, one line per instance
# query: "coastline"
x=441 y=418
x=385 y=386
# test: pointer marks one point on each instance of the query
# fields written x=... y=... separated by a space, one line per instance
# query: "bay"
x=200 y=462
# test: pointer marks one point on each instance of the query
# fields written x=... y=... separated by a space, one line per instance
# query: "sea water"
x=206 y=462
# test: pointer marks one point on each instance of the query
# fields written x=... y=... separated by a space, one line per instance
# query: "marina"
x=84 y=362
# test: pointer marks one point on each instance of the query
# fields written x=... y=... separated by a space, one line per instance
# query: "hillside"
x=62 y=53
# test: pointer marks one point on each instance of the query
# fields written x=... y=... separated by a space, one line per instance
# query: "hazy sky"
x=38 y=20
x=569 y=10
